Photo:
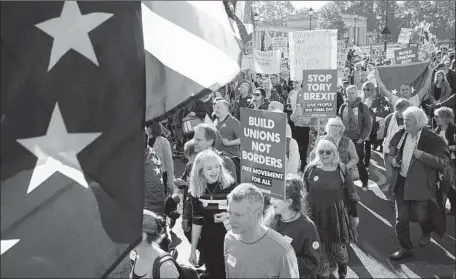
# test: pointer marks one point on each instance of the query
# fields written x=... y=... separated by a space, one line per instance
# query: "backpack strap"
x=158 y=262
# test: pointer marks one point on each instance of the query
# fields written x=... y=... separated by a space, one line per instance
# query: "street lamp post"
x=355 y=31
x=386 y=30
x=311 y=11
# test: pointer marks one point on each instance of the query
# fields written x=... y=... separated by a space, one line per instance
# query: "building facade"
x=356 y=25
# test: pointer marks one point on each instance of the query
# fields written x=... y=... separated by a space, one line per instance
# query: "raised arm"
x=427 y=84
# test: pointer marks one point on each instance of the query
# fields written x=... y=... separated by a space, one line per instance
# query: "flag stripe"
x=185 y=52
x=205 y=25
x=166 y=89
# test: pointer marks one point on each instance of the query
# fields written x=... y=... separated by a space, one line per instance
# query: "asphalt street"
x=377 y=240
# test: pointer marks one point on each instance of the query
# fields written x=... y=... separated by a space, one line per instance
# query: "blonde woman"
x=332 y=200
x=210 y=183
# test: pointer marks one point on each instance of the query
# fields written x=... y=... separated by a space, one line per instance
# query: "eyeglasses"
x=327 y=152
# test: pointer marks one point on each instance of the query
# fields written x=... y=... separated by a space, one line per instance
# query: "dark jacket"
x=444 y=94
x=423 y=174
x=364 y=126
x=200 y=109
x=451 y=77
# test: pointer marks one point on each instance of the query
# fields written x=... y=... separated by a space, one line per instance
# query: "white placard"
x=266 y=62
x=315 y=49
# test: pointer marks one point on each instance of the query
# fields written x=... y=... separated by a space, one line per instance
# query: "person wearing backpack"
x=333 y=205
x=140 y=261
x=358 y=125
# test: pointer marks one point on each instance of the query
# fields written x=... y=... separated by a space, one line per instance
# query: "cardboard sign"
x=316 y=49
x=404 y=36
x=266 y=62
x=405 y=56
x=263 y=150
x=319 y=93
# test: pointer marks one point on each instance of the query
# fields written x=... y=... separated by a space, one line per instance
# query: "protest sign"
x=341 y=59
x=266 y=62
x=405 y=56
x=263 y=150
x=319 y=89
x=280 y=43
x=316 y=49
x=404 y=36
x=422 y=55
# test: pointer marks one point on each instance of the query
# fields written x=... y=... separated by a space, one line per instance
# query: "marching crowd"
x=236 y=231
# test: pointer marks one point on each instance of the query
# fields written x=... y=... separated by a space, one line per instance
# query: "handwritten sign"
x=280 y=43
x=266 y=62
x=404 y=36
x=316 y=49
x=319 y=93
x=341 y=59
x=263 y=150
x=405 y=56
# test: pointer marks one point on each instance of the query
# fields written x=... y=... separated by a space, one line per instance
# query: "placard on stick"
x=263 y=150
x=319 y=93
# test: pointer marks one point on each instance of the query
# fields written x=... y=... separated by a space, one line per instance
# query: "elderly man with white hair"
x=419 y=156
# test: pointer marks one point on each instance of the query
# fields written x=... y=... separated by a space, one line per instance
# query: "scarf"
x=393 y=128
x=352 y=120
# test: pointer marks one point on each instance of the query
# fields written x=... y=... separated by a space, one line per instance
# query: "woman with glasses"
x=259 y=101
x=444 y=118
x=289 y=217
x=347 y=152
x=332 y=200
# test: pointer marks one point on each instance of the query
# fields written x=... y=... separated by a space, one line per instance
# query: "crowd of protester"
x=236 y=231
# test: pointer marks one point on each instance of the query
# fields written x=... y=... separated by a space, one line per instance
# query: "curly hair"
x=294 y=190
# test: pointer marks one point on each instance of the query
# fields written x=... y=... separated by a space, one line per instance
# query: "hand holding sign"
x=319 y=93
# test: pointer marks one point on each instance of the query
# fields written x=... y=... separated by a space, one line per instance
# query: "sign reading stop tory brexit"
x=319 y=93
x=263 y=150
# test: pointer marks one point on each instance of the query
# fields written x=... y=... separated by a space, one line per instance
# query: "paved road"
x=369 y=257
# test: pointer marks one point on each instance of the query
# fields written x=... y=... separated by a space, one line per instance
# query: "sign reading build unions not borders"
x=263 y=150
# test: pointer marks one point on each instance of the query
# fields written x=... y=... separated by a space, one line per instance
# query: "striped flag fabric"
x=245 y=14
x=191 y=48
x=72 y=141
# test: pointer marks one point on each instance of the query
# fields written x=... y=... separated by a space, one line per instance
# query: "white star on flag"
x=156 y=161
x=157 y=170
x=71 y=31
x=7 y=244
x=413 y=89
x=387 y=107
x=394 y=91
x=56 y=152
x=374 y=110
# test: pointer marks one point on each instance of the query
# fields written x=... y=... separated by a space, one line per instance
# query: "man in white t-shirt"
x=251 y=249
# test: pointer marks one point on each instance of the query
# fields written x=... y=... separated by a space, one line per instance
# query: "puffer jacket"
x=154 y=191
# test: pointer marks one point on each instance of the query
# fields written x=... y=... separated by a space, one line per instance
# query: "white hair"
x=418 y=114
x=335 y=121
